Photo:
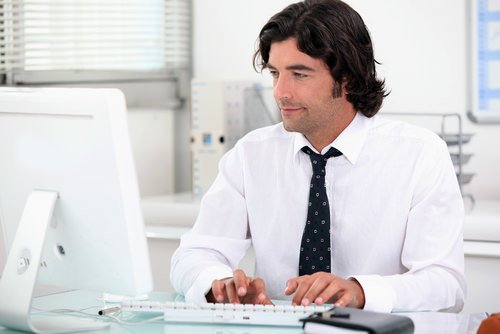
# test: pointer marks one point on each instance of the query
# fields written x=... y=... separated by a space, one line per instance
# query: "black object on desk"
x=359 y=321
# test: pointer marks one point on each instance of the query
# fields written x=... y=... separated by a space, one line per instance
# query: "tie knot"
x=320 y=159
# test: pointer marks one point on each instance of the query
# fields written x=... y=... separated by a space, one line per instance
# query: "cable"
x=105 y=317
x=133 y=323
x=65 y=310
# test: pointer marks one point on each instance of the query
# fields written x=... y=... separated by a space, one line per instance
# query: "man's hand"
x=239 y=289
x=322 y=287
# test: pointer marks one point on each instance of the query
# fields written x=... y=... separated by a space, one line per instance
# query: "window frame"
x=479 y=60
x=178 y=73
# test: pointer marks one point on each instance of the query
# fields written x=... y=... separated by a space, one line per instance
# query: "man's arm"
x=219 y=239
x=432 y=251
x=201 y=259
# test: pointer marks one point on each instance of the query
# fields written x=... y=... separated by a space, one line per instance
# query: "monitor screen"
x=69 y=198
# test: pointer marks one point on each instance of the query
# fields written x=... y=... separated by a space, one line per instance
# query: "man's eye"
x=300 y=75
x=274 y=74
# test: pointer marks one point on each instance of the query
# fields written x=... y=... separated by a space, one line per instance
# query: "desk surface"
x=425 y=322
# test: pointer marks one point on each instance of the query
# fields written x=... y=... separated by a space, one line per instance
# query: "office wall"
x=421 y=46
x=152 y=137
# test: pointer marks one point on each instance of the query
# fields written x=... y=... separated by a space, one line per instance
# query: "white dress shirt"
x=395 y=205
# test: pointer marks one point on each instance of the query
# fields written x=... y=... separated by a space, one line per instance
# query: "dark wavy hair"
x=332 y=31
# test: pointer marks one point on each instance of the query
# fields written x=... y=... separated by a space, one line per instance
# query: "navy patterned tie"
x=315 y=246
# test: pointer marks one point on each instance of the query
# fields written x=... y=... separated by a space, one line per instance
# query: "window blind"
x=132 y=37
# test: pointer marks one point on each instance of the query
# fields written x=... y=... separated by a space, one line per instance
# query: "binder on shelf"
x=356 y=321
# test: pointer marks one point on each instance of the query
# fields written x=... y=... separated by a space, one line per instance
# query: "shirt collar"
x=349 y=142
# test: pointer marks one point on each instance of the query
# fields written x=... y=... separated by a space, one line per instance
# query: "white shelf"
x=165 y=232
x=482 y=249
x=483 y=222
x=171 y=210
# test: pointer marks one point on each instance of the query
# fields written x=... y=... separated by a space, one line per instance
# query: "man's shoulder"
x=403 y=130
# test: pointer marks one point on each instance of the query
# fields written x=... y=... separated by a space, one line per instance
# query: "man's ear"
x=344 y=85
x=338 y=90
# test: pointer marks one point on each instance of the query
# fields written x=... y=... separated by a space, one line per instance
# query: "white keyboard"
x=248 y=314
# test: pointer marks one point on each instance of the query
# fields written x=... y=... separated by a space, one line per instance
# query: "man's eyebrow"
x=296 y=67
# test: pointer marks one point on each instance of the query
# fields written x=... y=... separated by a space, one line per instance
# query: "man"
x=378 y=225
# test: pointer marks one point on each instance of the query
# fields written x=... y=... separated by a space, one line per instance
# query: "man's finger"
x=345 y=299
x=291 y=286
x=232 y=295
x=328 y=293
x=301 y=290
x=319 y=284
x=241 y=282
x=260 y=291
x=218 y=290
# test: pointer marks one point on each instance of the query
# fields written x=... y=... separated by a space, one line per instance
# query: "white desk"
x=425 y=323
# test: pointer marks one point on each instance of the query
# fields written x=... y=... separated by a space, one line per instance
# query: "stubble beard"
x=294 y=122
x=299 y=123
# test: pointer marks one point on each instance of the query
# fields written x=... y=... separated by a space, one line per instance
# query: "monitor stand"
x=21 y=271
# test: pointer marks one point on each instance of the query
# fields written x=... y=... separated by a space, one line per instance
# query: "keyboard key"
x=259 y=307
x=249 y=307
x=269 y=308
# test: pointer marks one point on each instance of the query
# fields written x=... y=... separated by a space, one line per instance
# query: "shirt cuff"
x=379 y=294
x=203 y=283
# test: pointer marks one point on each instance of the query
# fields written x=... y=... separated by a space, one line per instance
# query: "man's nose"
x=282 y=88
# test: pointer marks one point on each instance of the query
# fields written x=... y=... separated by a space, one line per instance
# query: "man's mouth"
x=289 y=110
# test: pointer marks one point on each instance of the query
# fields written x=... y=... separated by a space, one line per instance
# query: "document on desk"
x=356 y=321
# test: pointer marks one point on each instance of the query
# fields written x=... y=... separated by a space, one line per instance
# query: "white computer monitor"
x=69 y=198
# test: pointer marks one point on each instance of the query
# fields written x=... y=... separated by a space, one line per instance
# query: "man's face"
x=303 y=89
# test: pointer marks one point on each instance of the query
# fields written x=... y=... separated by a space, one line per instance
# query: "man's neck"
x=320 y=140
